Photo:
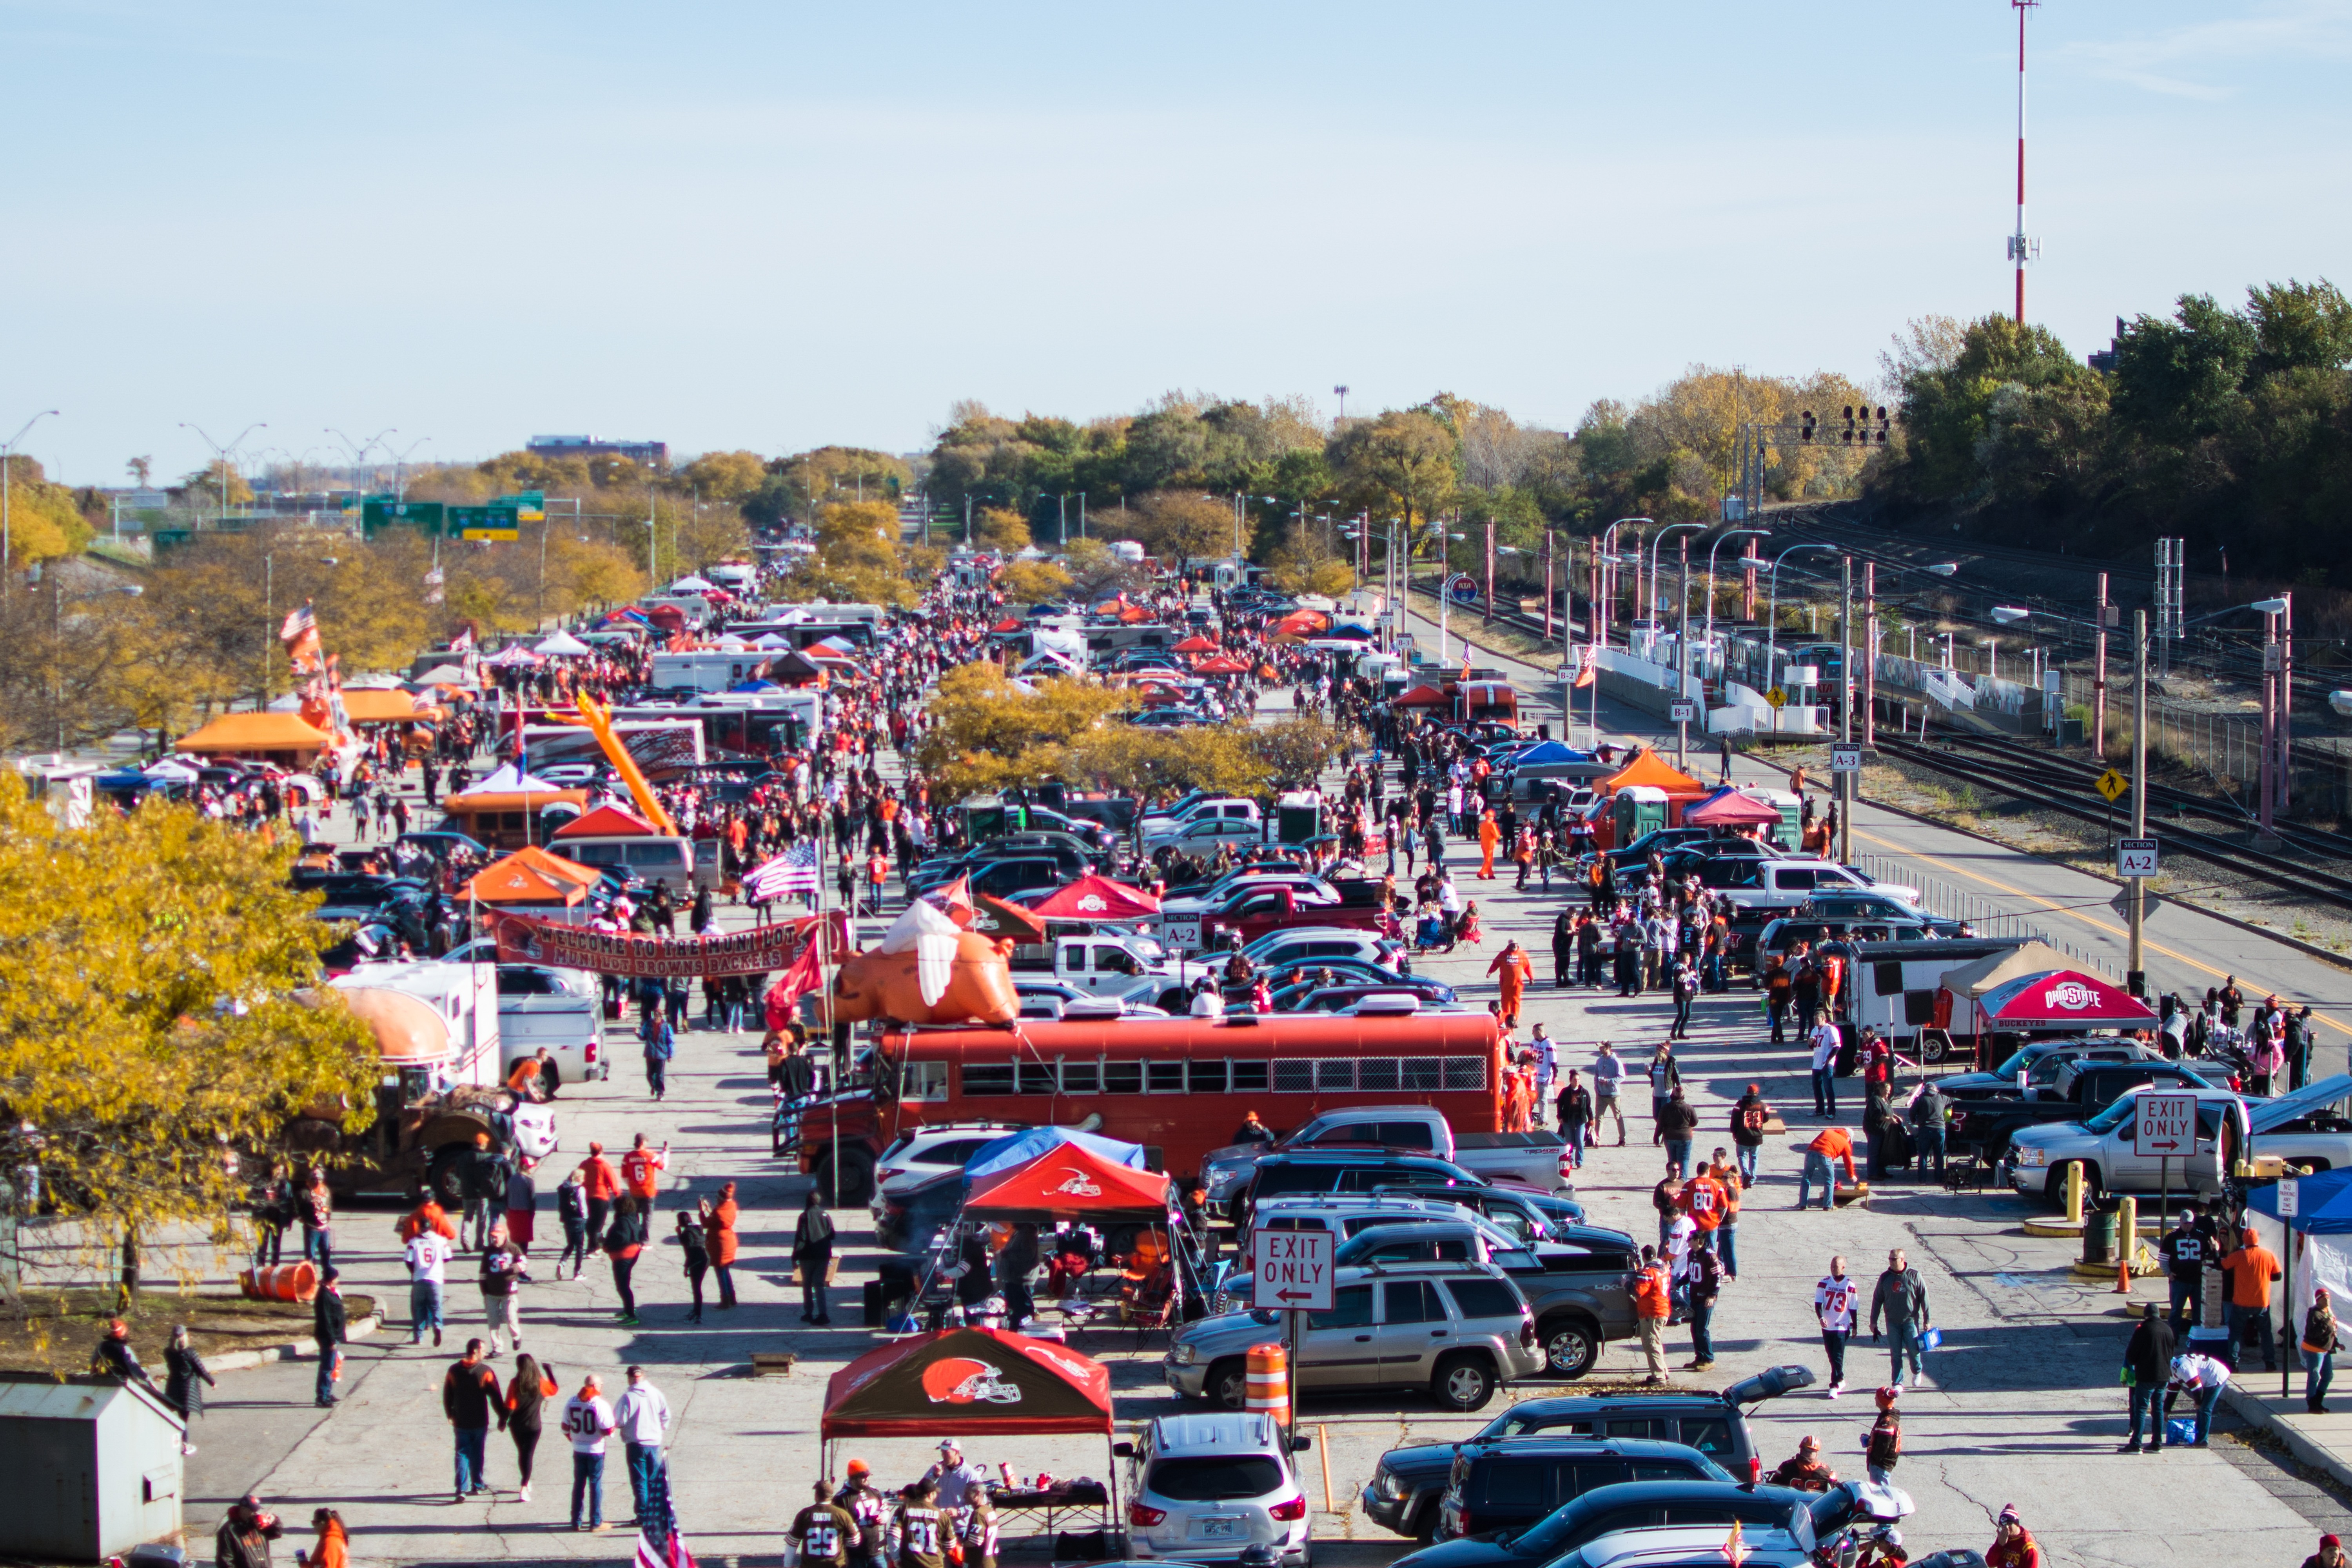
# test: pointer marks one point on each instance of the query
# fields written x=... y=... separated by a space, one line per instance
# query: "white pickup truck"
x=1537 y=1159
x=2310 y=1128
x=1112 y=966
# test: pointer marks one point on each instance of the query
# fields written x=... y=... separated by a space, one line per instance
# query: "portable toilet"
x=96 y=1465
x=1298 y=815
x=1789 y=833
x=1639 y=809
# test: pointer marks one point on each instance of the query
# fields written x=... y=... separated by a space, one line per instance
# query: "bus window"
x=1036 y=1077
x=987 y=1078
x=1294 y=1078
x=1335 y=1072
x=1081 y=1077
x=1122 y=1077
x=1465 y=1072
x=929 y=1081
x=1163 y=1077
x=1419 y=1072
x=1248 y=1076
x=1207 y=1077
x=1376 y=1073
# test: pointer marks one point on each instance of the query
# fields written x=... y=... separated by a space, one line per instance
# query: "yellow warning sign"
x=2112 y=784
x=1777 y=697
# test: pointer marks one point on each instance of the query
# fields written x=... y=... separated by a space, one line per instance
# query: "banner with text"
x=763 y=950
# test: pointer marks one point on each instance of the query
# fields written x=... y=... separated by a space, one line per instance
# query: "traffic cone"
x=2123 y=1271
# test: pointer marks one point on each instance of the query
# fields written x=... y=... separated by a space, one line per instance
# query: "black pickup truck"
x=2082 y=1089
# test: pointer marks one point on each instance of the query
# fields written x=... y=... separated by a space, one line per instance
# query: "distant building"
x=2103 y=359
x=648 y=453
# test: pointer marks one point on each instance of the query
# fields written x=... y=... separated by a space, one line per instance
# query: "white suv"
x=1205 y=1489
x=928 y=1152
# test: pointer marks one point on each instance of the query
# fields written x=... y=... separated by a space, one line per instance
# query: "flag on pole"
x=1587 y=667
x=300 y=634
x=463 y=640
x=955 y=901
x=793 y=871
x=660 y=1545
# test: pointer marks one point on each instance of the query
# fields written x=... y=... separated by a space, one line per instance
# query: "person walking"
x=1679 y=1124
x=1750 y=1118
x=822 y=1535
x=1685 y=990
x=642 y=1417
x=428 y=1257
x=602 y=1186
x=523 y=1205
x=2148 y=1359
x=501 y=1274
x=1900 y=1302
x=185 y=1380
x=330 y=1328
x=625 y=1239
x=2014 y=1545
x=641 y=1174
x=572 y=1209
x=244 y=1534
x=695 y=1256
x=867 y=1507
x=659 y=1038
x=2319 y=1341
x=1835 y=1296
x=813 y=1256
x=332 y=1546
x=2184 y=1251
x=315 y=1207
x=1776 y=994
x=1653 y=1304
x=1663 y=1074
x=1706 y=1283
x=1726 y=1229
x=718 y=1234
x=2253 y=1269
x=1882 y=1447
x=1563 y=949
x=470 y=1399
x=527 y=1393
x=588 y=1422
x=1824 y=1036
x=1512 y=970
x=1830 y=1143
x=1608 y=1071
x=1575 y=1107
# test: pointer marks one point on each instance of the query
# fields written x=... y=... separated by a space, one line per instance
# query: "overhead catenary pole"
x=1869 y=653
x=2135 y=970
x=1682 y=664
x=2017 y=242
x=2099 y=677
x=1845 y=706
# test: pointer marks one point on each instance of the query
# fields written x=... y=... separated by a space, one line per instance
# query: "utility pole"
x=1490 y=571
x=1845 y=707
x=2136 y=974
x=2019 y=245
x=2283 y=773
x=2099 y=678
x=966 y=522
x=1682 y=664
x=1551 y=545
x=1869 y=653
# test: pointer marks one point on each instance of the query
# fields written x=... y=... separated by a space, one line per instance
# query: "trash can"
x=2099 y=1235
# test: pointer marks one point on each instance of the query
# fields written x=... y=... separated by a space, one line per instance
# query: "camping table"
x=1052 y=1511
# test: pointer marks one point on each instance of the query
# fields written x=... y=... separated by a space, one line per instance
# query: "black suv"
x=1513 y=1484
x=1359 y=1169
x=1408 y=1482
x=1630 y=1505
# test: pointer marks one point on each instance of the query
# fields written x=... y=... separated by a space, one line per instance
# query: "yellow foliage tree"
x=44 y=524
x=1033 y=582
x=1000 y=528
x=153 y=1015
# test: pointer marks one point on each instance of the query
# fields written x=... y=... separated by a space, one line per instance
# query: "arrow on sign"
x=1293 y=1294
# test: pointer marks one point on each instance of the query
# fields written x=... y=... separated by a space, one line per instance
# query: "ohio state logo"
x=2071 y=994
x=959 y=1380
x=1094 y=901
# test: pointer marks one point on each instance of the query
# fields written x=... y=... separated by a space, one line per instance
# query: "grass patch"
x=56 y=1330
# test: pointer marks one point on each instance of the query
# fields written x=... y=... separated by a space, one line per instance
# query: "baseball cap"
x=857 y=1467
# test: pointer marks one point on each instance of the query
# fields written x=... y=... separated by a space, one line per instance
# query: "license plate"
x=1216 y=1529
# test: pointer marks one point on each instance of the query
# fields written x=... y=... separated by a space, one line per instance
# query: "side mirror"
x=1300 y=1444
x=1124 y=1450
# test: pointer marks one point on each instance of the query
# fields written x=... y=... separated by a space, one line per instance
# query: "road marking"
x=2202 y=968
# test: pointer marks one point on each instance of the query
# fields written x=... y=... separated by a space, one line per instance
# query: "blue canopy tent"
x=1544 y=752
x=1020 y=1148
x=2322 y=1253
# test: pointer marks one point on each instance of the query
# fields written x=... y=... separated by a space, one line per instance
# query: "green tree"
x=1401 y=461
x=1182 y=525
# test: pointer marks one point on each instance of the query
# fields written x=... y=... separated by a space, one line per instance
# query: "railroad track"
x=2054 y=787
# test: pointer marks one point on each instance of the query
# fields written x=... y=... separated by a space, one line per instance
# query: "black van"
x=1512 y=1484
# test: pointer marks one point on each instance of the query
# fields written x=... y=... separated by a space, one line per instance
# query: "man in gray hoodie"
x=1901 y=1301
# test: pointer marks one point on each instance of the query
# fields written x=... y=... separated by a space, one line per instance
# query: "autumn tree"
x=724 y=476
x=1306 y=565
x=1000 y=528
x=156 y=1014
x=1401 y=462
x=44 y=524
x=1182 y=525
x=1033 y=582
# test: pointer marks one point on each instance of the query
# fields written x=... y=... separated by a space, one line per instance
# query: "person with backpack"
x=1929 y=1111
x=1750 y=1118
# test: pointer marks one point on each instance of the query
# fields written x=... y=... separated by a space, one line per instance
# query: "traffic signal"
x=1806 y=433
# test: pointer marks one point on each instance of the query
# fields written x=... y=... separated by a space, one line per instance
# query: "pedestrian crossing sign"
x=1777 y=698
x=2112 y=784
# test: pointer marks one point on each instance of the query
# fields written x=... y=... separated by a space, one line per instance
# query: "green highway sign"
x=495 y=523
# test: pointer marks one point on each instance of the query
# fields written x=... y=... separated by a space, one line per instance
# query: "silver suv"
x=1459 y=1330
x=1205 y=1489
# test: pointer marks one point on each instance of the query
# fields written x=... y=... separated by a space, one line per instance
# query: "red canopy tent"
x=1009 y=624
x=1066 y=1182
x=1096 y=898
x=1197 y=644
x=967 y=1381
x=606 y=822
x=1423 y=695
x=1729 y=808
x=1220 y=665
x=2060 y=999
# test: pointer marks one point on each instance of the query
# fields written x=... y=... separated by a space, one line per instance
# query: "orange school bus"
x=1180 y=1086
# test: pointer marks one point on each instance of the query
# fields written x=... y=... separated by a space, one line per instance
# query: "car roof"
x=1572 y=1447
x=1352 y=1154
x=1672 y=1543
x=1214 y=1432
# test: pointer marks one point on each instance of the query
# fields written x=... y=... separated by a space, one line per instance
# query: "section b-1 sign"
x=1293 y=1270
x=2167 y=1128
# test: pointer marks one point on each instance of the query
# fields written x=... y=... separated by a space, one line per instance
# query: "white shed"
x=93 y=1465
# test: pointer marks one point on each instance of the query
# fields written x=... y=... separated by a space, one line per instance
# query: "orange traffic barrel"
x=1268 y=1386
x=287 y=1283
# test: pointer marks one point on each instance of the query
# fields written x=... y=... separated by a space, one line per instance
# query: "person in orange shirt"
x=1489 y=836
x=1652 y=1305
x=1702 y=1199
x=1835 y=1143
x=719 y=1235
x=641 y=1170
x=601 y=1186
x=2253 y=1269
x=1512 y=970
x=1726 y=1175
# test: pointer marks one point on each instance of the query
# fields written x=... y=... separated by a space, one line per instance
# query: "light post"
x=358 y=451
x=222 y=454
x=1362 y=529
x=2276 y=695
x=1606 y=552
x=1772 y=623
x=1656 y=540
x=399 y=466
x=1728 y=533
x=1444 y=587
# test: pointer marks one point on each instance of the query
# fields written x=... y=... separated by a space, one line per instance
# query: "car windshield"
x=2114 y=1116
x=2024 y=1058
x=1222 y=1478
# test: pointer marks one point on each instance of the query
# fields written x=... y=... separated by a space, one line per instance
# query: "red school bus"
x=1180 y=1086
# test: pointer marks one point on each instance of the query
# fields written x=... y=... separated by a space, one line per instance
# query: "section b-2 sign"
x=1293 y=1270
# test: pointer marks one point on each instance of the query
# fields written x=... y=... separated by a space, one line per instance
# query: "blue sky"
x=777 y=225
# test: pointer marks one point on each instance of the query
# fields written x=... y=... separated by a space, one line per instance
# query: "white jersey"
x=1834 y=1303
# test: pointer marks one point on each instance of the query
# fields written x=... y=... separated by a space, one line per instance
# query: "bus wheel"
x=857 y=1180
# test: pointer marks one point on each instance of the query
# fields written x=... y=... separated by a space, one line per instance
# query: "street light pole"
x=1772 y=622
x=1606 y=558
x=7 y=542
x=221 y=455
x=1726 y=533
x=1845 y=706
x=1657 y=539
x=2135 y=970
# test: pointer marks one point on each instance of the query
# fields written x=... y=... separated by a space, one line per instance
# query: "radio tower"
x=2019 y=247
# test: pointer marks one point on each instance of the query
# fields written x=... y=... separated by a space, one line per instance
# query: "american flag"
x=297 y=622
x=660 y=1545
x=793 y=871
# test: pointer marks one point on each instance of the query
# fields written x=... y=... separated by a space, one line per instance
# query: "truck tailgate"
x=1530 y=1157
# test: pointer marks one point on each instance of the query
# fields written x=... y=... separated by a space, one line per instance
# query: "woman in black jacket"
x=812 y=1254
x=186 y=1379
x=2148 y=1356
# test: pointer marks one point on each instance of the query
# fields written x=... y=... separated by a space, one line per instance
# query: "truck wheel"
x=1425 y=1528
x=445 y=1179
x=1570 y=1347
x=1227 y=1384
x=2054 y=1189
x=1463 y=1382
x=857 y=1179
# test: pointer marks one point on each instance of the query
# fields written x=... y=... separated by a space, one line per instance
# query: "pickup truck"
x=1254 y=911
x=2080 y=1089
x=1200 y=807
x=1537 y=1159
x=2311 y=1128
x=2038 y=1066
x=1109 y=966
x=1792 y=884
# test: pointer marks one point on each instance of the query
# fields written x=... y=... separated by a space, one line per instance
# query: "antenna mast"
x=2019 y=247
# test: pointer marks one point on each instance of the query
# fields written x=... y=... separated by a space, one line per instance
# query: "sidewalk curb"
x=292 y=1349
x=2250 y=1409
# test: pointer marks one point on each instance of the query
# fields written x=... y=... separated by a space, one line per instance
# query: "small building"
x=94 y=1466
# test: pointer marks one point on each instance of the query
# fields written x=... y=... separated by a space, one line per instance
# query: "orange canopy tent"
x=1220 y=665
x=606 y=822
x=531 y=876
x=1646 y=767
x=244 y=734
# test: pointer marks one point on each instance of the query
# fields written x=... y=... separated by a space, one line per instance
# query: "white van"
x=650 y=859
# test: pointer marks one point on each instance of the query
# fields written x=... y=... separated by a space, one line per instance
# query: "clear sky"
x=775 y=226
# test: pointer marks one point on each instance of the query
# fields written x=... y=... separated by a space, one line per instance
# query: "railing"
x=1989 y=919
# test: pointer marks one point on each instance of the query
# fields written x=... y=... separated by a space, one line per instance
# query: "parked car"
x=1459 y=1236
x=1460 y=1333
x=1790 y=884
x=2040 y=1062
x=925 y=1153
x=1527 y=1214
x=2310 y=1127
x=2081 y=1087
x=1537 y=1159
x=1628 y=1505
x=1409 y=1482
x=1345 y=1169
x=1699 y=1546
x=1518 y=1482
x=1206 y=1489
